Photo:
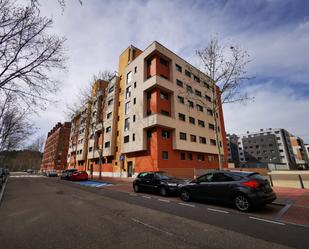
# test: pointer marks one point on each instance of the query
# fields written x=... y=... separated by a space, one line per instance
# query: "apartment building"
x=151 y=123
x=56 y=148
x=272 y=148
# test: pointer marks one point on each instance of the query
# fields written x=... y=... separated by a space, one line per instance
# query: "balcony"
x=157 y=80
x=158 y=120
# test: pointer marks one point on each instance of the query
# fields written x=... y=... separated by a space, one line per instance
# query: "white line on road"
x=269 y=221
x=186 y=204
x=145 y=196
x=164 y=200
x=218 y=210
x=133 y=194
x=151 y=227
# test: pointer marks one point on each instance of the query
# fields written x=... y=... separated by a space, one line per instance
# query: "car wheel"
x=163 y=191
x=242 y=203
x=185 y=195
x=136 y=188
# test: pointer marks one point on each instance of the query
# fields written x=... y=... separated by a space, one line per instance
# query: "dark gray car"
x=66 y=174
x=243 y=189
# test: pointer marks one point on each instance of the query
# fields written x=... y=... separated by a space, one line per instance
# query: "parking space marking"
x=164 y=200
x=269 y=221
x=133 y=194
x=218 y=210
x=146 y=196
x=186 y=204
x=151 y=227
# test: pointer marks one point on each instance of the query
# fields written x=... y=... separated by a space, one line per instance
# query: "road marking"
x=151 y=227
x=269 y=221
x=145 y=196
x=218 y=210
x=25 y=176
x=186 y=204
x=133 y=194
x=164 y=200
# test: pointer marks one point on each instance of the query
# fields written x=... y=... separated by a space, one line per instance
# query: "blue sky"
x=274 y=32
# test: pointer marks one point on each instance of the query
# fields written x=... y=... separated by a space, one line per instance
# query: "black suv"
x=67 y=173
x=243 y=189
x=159 y=182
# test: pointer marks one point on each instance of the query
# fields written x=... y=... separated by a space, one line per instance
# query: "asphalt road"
x=49 y=213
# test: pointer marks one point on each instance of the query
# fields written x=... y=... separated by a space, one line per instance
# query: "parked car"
x=30 y=171
x=244 y=190
x=66 y=174
x=51 y=173
x=159 y=182
x=79 y=176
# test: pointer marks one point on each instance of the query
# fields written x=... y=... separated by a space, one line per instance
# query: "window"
x=94 y=113
x=165 y=113
x=91 y=136
x=181 y=99
x=202 y=140
x=126 y=139
x=192 y=120
x=179 y=83
x=90 y=149
x=110 y=101
x=107 y=144
x=128 y=92
x=190 y=156
x=126 y=124
x=134 y=101
x=197 y=79
x=127 y=108
x=164 y=155
x=209 y=112
x=206 y=84
x=149 y=133
x=111 y=89
x=191 y=104
x=163 y=95
x=178 y=68
x=198 y=93
x=211 y=126
x=201 y=123
x=211 y=158
x=133 y=118
x=213 y=142
x=199 y=108
x=135 y=70
x=163 y=62
x=189 y=89
x=200 y=158
x=109 y=115
x=187 y=73
x=108 y=129
x=182 y=156
x=182 y=136
x=165 y=134
x=129 y=78
x=193 y=138
x=182 y=117
x=133 y=137
x=207 y=98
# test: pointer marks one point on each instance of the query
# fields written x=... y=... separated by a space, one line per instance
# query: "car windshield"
x=164 y=175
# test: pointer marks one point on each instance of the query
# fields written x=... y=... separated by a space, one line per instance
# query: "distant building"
x=56 y=148
x=272 y=148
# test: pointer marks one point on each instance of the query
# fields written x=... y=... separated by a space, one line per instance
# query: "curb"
x=3 y=188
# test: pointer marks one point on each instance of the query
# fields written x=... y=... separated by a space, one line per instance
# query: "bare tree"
x=14 y=125
x=28 y=54
x=225 y=67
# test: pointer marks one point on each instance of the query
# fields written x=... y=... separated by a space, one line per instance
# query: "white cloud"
x=99 y=31
x=272 y=107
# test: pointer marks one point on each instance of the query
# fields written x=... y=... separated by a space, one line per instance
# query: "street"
x=40 y=212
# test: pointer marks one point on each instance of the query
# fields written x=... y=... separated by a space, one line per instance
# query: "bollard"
x=271 y=181
x=301 y=181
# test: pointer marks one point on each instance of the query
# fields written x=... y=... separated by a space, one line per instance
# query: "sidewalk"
x=297 y=204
